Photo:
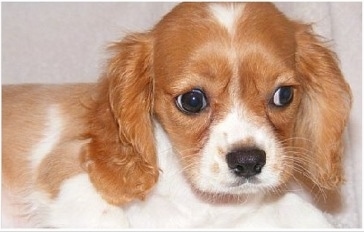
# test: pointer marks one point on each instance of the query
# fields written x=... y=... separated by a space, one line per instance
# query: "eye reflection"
x=282 y=96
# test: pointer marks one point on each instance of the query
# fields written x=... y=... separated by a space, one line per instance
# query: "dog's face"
x=228 y=92
x=229 y=95
x=246 y=96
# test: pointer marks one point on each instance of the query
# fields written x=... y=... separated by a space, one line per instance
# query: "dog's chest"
x=178 y=208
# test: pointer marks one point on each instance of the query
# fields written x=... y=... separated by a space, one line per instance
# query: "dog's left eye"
x=282 y=96
x=192 y=102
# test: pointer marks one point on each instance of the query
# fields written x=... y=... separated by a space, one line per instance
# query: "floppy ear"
x=121 y=157
x=324 y=110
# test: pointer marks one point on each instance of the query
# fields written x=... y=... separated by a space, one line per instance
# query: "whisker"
x=301 y=168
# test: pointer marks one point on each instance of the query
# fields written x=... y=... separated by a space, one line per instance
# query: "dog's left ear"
x=121 y=157
x=324 y=110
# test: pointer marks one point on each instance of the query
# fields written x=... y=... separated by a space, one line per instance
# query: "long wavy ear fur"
x=121 y=157
x=324 y=110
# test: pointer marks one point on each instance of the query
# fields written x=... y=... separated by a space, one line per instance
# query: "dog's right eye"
x=192 y=102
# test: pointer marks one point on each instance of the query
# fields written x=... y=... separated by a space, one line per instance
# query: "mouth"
x=232 y=186
x=243 y=186
x=237 y=191
x=245 y=182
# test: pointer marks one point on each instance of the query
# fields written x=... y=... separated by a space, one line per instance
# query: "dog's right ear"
x=324 y=110
x=121 y=157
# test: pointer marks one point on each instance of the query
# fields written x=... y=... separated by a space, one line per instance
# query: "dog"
x=201 y=122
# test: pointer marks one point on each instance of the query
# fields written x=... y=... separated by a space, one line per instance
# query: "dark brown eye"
x=192 y=102
x=282 y=96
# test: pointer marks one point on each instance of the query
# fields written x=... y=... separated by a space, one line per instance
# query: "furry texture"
x=121 y=157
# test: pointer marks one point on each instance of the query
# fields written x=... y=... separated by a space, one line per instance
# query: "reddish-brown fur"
x=121 y=157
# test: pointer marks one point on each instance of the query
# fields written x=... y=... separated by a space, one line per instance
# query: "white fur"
x=78 y=205
x=227 y=15
x=52 y=135
x=237 y=127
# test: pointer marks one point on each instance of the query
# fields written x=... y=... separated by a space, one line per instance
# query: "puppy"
x=201 y=122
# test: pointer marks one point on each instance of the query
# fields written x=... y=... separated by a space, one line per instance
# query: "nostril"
x=246 y=162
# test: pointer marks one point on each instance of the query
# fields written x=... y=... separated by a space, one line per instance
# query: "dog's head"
x=245 y=95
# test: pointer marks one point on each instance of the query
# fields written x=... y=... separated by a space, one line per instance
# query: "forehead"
x=238 y=35
x=227 y=15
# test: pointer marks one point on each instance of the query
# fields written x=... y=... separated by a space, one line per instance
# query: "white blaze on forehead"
x=227 y=14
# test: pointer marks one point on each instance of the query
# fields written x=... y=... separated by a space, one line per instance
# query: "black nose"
x=246 y=162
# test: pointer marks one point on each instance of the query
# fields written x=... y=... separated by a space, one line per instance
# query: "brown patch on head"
x=198 y=54
x=266 y=51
